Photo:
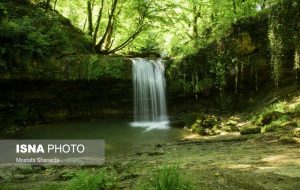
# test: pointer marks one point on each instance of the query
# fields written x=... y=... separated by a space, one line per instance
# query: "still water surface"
x=119 y=136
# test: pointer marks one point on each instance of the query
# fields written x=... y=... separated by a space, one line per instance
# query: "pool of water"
x=119 y=136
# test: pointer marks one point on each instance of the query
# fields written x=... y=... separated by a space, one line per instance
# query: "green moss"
x=268 y=114
x=209 y=121
x=272 y=128
x=230 y=128
x=231 y=123
x=198 y=128
x=250 y=129
x=297 y=132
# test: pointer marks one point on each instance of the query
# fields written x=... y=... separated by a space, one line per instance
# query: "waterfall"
x=149 y=94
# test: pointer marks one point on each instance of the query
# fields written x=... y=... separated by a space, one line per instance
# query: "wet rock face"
x=30 y=102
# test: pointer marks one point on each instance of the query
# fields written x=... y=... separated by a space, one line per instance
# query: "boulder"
x=250 y=129
x=231 y=122
x=197 y=128
x=209 y=121
x=271 y=128
x=216 y=130
x=297 y=132
x=230 y=128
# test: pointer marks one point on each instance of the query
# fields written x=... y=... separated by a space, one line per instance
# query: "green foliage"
x=277 y=125
x=93 y=180
x=167 y=178
x=219 y=68
x=276 y=38
x=203 y=84
x=270 y=113
x=30 y=33
x=89 y=67
x=278 y=116
x=3 y=11
x=283 y=36
x=107 y=67
x=87 y=180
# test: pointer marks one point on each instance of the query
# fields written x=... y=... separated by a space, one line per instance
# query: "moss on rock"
x=230 y=128
x=267 y=118
x=250 y=129
x=231 y=123
x=197 y=128
x=297 y=132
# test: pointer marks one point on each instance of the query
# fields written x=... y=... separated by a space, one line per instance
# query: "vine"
x=276 y=48
x=283 y=37
x=297 y=63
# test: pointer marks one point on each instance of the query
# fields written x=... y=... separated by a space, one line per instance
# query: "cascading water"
x=149 y=94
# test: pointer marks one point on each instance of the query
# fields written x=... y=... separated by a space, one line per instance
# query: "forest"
x=186 y=94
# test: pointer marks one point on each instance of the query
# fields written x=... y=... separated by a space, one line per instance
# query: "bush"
x=86 y=180
x=168 y=178
x=269 y=114
x=29 y=33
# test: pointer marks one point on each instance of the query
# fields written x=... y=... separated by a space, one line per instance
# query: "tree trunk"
x=196 y=16
x=48 y=3
x=54 y=6
x=99 y=46
x=234 y=6
x=90 y=18
x=109 y=36
x=98 y=23
x=263 y=6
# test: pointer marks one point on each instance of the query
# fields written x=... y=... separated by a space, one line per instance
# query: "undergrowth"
x=167 y=178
